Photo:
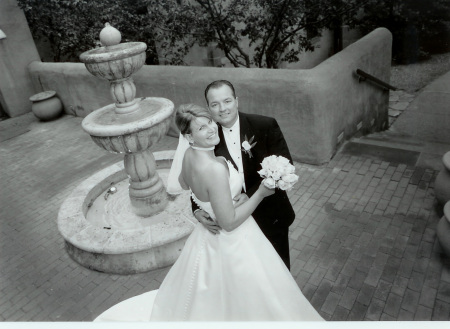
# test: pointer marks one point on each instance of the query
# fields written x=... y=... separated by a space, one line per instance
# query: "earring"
x=191 y=143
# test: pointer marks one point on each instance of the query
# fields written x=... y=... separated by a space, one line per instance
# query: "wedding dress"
x=230 y=276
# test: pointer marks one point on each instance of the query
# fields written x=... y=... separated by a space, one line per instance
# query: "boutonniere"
x=247 y=145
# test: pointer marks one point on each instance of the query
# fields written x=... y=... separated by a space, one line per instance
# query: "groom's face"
x=223 y=105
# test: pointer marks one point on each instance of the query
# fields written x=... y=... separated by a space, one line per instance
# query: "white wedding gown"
x=231 y=276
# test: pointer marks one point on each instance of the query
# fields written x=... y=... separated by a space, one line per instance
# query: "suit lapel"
x=222 y=150
x=245 y=131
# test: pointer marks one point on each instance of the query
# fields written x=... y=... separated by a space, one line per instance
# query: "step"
x=389 y=145
x=392 y=140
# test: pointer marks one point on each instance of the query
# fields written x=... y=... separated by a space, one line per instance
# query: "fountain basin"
x=124 y=245
x=115 y=62
x=133 y=132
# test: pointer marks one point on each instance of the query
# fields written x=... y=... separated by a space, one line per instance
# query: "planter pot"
x=443 y=230
x=46 y=105
x=442 y=183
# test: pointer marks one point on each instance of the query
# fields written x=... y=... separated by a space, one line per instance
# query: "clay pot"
x=442 y=182
x=46 y=105
x=443 y=230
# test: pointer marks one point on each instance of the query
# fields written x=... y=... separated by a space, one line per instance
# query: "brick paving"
x=363 y=245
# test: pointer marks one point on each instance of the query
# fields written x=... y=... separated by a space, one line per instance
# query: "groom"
x=275 y=213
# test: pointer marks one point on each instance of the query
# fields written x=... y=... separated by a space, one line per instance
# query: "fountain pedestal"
x=147 y=190
x=130 y=125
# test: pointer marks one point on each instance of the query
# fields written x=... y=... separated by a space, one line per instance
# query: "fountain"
x=121 y=219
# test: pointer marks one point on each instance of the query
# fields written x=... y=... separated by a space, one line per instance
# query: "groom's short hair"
x=218 y=84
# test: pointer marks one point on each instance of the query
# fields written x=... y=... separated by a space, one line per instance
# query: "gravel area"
x=413 y=77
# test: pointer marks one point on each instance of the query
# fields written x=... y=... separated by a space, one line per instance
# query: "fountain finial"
x=110 y=36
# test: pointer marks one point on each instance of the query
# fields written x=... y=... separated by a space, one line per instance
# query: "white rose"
x=276 y=175
x=282 y=161
x=280 y=169
x=283 y=171
x=246 y=145
x=290 y=169
x=284 y=185
x=290 y=178
x=263 y=172
x=265 y=162
x=271 y=162
x=269 y=183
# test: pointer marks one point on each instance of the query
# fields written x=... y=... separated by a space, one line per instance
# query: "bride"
x=233 y=276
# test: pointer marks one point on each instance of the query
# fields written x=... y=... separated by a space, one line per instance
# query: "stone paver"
x=363 y=244
x=399 y=101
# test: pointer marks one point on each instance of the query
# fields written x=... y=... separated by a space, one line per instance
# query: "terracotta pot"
x=46 y=105
x=442 y=182
x=443 y=230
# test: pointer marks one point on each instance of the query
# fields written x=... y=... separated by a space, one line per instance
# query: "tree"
x=419 y=27
x=260 y=33
x=73 y=26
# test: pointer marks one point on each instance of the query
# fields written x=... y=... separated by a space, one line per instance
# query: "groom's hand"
x=240 y=199
x=203 y=217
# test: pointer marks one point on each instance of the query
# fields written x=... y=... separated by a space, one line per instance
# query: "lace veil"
x=173 y=185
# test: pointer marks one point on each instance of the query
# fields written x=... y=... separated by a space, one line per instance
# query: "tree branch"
x=320 y=21
x=279 y=21
x=224 y=39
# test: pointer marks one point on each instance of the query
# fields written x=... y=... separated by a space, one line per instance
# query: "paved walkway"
x=428 y=115
x=363 y=245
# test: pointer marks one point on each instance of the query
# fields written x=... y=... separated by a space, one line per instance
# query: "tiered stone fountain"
x=145 y=228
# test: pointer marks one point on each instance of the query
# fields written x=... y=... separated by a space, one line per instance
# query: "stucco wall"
x=312 y=106
x=16 y=52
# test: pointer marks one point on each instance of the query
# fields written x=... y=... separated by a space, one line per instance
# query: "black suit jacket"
x=274 y=213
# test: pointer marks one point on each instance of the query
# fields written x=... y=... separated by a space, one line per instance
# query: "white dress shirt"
x=233 y=141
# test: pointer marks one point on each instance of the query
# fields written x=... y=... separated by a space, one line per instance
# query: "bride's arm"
x=219 y=193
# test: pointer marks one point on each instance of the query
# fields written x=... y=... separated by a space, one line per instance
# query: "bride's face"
x=203 y=132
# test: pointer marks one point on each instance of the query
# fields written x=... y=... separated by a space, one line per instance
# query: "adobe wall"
x=313 y=107
x=17 y=50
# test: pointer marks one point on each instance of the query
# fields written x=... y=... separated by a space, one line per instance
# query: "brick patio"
x=363 y=245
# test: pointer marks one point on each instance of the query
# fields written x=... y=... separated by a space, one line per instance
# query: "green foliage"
x=419 y=27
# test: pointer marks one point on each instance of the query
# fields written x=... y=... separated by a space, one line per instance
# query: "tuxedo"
x=275 y=213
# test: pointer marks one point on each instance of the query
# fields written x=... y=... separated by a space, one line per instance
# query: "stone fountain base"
x=107 y=236
x=443 y=230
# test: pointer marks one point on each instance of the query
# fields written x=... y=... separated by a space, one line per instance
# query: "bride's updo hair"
x=186 y=113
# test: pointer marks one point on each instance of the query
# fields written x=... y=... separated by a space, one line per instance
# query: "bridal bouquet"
x=278 y=172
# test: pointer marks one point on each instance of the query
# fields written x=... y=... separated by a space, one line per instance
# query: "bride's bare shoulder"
x=218 y=166
x=222 y=161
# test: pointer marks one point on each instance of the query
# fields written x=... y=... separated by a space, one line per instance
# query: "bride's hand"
x=265 y=191
x=203 y=217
